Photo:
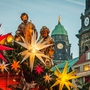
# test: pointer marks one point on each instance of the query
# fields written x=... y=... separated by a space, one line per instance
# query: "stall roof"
x=70 y=64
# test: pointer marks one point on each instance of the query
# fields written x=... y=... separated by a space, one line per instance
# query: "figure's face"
x=24 y=18
x=45 y=33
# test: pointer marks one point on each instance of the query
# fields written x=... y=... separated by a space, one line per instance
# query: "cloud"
x=76 y=2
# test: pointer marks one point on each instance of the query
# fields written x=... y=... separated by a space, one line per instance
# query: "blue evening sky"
x=44 y=13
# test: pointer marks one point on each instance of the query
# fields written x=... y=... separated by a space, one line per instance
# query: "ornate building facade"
x=62 y=45
x=82 y=66
x=84 y=33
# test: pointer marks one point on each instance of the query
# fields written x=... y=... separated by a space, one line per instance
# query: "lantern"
x=10 y=38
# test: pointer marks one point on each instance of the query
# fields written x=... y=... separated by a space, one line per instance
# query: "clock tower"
x=62 y=45
x=84 y=32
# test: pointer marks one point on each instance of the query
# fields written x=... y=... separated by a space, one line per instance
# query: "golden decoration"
x=59 y=19
x=10 y=38
x=15 y=65
x=64 y=78
x=47 y=78
x=3 y=66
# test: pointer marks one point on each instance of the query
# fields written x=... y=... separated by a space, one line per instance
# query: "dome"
x=59 y=29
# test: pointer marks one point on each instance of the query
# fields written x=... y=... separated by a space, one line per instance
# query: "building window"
x=57 y=37
x=77 y=69
x=86 y=67
x=87 y=79
x=79 y=81
x=88 y=55
x=60 y=37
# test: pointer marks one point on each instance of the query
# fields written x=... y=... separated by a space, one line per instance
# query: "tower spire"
x=87 y=4
x=59 y=19
x=87 y=9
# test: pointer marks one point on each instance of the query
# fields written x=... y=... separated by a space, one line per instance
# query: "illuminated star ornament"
x=33 y=49
x=4 y=36
x=47 y=78
x=3 y=67
x=64 y=77
x=15 y=65
x=39 y=69
x=4 y=47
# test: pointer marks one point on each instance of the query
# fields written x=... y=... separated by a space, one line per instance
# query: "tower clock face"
x=59 y=45
x=86 y=21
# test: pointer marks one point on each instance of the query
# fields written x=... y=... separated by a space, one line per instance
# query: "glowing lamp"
x=33 y=50
x=10 y=38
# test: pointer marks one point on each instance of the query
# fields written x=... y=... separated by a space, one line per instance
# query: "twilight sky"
x=44 y=13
